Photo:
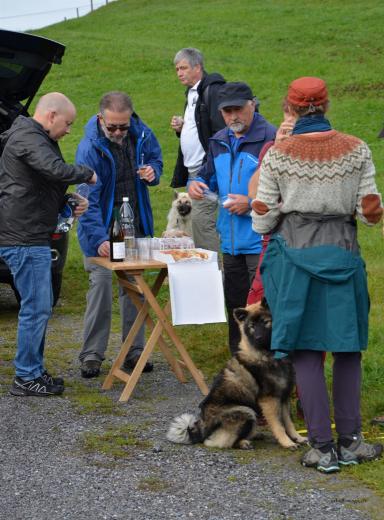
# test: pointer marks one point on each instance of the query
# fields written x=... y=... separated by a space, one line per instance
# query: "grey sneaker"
x=325 y=462
x=358 y=451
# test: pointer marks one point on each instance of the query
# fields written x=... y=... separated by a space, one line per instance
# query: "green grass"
x=115 y=442
x=130 y=44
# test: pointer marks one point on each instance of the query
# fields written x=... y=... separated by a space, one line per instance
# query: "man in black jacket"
x=201 y=120
x=33 y=182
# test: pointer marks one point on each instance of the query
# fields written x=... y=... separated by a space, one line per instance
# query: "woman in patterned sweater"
x=312 y=187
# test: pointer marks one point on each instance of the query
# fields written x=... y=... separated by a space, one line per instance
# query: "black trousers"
x=239 y=271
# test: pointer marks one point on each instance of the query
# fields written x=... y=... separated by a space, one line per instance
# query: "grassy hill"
x=130 y=44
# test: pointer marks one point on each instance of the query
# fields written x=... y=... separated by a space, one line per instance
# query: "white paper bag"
x=196 y=291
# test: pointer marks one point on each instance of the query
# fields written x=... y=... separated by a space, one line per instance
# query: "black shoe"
x=50 y=380
x=90 y=368
x=35 y=387
x=129 y=365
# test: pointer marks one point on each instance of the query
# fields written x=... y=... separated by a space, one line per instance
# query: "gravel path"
x=48 y=470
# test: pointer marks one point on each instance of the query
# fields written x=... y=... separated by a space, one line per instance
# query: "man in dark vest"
x=201 y=120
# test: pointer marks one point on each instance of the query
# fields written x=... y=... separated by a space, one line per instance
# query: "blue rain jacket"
x=227 y=172
x=93 y=151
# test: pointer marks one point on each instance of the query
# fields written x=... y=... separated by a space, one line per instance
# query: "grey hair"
x=193 y=56
x=116 y=102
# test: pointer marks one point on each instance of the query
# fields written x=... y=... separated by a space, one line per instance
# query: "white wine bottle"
x=116 y=239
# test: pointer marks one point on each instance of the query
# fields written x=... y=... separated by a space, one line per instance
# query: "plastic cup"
x=225 y=201
x=144 y=248
x=142 y=169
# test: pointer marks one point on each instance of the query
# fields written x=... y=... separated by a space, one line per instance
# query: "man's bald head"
x=56 y=113
x=54 y=102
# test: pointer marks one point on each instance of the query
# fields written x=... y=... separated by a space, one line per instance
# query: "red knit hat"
x=307 y=91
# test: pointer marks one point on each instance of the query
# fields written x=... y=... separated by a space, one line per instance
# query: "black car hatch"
x=25 y=60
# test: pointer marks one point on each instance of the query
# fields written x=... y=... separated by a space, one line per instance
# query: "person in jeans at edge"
x=115 y=143
x=33 y=182
x=312 y=186
x=231 y=161
x=201 y=120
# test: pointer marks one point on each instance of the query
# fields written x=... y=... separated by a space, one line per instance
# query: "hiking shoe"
x=324 y=459
x=379 y=421
x=129 y=365
x=90 y=368
x=50 y=380
x=353 y=450
x=35 y=387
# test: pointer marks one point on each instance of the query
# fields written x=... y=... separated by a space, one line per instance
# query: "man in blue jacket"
x=115 y=143
x=231 y=161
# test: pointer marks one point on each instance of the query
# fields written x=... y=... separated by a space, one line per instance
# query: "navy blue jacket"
x=93 y=151
x=225 y=172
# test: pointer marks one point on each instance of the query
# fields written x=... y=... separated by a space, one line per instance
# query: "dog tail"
x=182 y=428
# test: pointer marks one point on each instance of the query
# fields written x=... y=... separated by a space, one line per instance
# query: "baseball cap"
x=234 y=95
x=307 y=91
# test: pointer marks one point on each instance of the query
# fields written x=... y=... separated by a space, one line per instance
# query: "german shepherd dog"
x=251 y=380
x=179 y=217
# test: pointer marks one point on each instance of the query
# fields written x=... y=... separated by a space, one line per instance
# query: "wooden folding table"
x=145 y=298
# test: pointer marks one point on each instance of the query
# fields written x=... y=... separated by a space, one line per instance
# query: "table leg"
x=173 y=362
x=196 y=374
x=141 y=316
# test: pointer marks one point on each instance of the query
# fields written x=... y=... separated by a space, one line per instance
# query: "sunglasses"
x=113 y=128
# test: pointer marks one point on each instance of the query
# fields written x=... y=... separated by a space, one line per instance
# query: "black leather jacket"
x=33 y=181
x=208 y=121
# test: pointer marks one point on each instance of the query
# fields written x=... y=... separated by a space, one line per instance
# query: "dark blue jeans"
x=31 y=270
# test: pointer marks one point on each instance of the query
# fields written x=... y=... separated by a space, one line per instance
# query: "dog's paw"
x=288 y=444
x=245 y=444
x=300 y=440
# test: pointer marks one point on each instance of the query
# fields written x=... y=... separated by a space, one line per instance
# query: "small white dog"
x=179 y=217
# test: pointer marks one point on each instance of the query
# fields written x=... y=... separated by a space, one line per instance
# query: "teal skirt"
x=318 y=297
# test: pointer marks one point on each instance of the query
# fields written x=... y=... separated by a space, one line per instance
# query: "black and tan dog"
x=251 y=380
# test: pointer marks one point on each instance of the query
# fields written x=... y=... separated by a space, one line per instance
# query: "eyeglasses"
x=113 y=128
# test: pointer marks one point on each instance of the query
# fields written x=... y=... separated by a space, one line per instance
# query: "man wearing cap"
x=200 y=121
x=232 y=159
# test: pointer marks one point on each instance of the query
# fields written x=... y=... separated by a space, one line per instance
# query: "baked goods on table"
x=186 y=254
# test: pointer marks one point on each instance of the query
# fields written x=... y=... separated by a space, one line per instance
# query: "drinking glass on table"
x=144 y=248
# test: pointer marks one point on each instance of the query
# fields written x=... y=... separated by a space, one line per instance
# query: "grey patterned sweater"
x=327 y=173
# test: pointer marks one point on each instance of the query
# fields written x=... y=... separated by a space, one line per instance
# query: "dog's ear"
x=175 y=194
x=240 y=314
x=264 y=304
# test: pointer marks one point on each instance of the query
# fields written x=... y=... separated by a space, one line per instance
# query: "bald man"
x=33 y=182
